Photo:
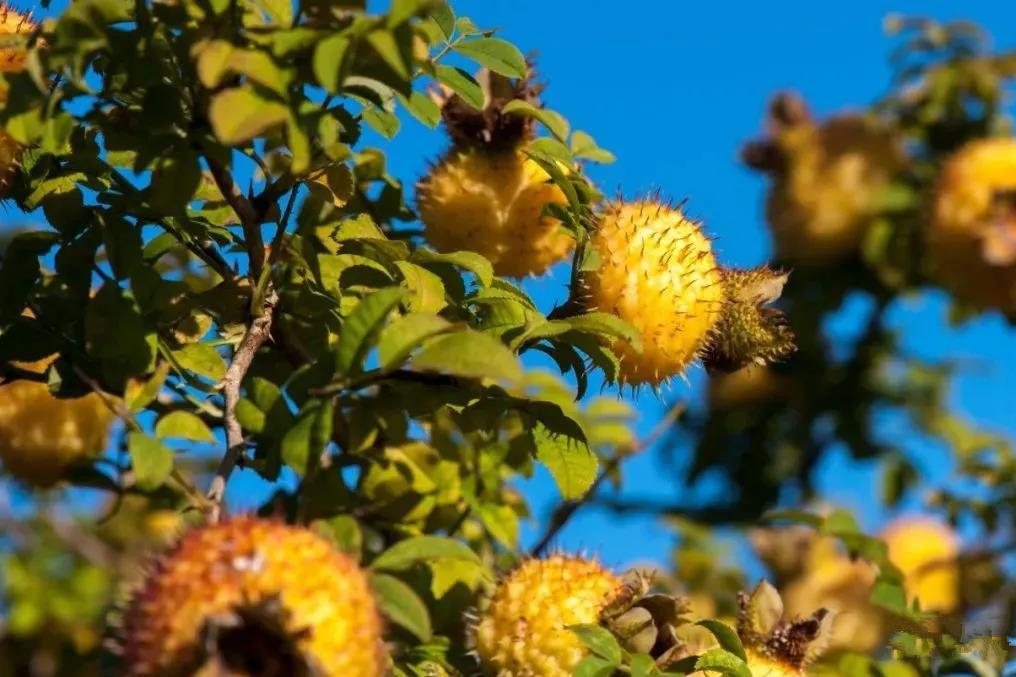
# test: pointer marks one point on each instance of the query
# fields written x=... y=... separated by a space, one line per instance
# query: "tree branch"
x=258 y=332
x=566 y=509
x=249 y=216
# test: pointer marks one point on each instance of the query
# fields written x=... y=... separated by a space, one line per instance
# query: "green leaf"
x=387 y=47
x=175 y=179
x=202 y=359
x=723 y=662
x=402 y=606
x=477 y=264
x=116 y=336
x=399 y=338
x=608 y=326
x=183 y=425
x=381 y=121
x=462 y=83
x=444 y=16
x=360 y=327
x=498 y=55
x=643 y=666
x=600 y=641
x=20 y=270
x=344 y=531
x=423 y=549
x=726 y=636
x=584 y=146
x=890 y=595
x=328 y=61
x=238 y=115
x=571 y=462
x=423 y=108
x=553 y=121
x=554 y=149
x=469 y=354
x=139 y=394
x=594 y=666
x=302 y=446
x=151 y=460
x=427 y=292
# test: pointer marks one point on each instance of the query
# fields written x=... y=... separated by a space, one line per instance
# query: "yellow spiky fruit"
x=41 y=436
x=247 y=590
x=522 y=630
x=13 y=22
x=827 y=185
x=658 y=273
x=762 y=665
x=926 y=551
x=972 y=235
x=492 y=203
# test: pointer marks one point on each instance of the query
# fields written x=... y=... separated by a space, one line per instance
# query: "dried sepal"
x=748 y=330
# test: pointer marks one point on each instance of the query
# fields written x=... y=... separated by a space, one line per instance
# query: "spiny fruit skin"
x=826 y=180
x=523 y=629
x=971 y=241
x=925 y=551
x=492 y=203
x=657 y=272
x=13 y=22
x=219 y=575
x=42 y=435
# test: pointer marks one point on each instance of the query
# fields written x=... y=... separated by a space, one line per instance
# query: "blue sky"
x=673 y=89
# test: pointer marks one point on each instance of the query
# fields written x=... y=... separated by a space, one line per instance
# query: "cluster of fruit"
x=253 y=596
x=831 y=181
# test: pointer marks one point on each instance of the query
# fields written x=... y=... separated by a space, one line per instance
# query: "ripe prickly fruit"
x=492 y=203
x=926 y=553
x=748 y=332
x=827 y=180
x=522 y=629
x=776 y=647
x=487 y=195
x=13 y=22
x=657 y=272
x=253 y=597
x=972 y=237
x=41 y=436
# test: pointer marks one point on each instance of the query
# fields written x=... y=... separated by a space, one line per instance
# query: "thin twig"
x=258 y=332
x=117 y=407
x=250 y=219
x=566 y=509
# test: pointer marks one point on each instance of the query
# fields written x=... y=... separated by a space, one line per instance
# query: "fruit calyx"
x=749 y=331
x=491 y=128
x=768 y=637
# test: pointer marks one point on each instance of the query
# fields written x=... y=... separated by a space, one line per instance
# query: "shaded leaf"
x=402 y=606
